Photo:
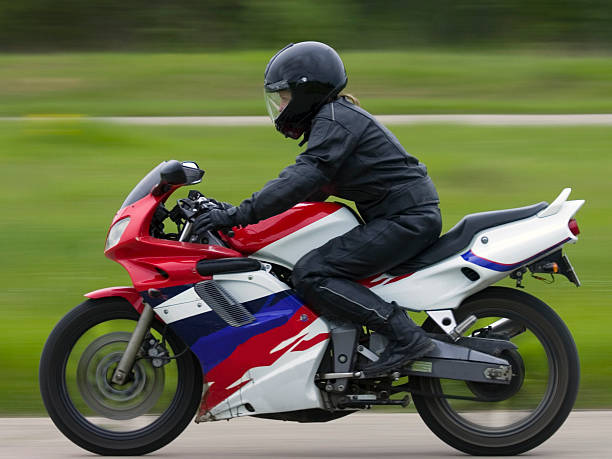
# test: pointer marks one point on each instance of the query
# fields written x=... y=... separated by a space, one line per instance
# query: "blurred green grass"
x=63 y=181
x=388 y=82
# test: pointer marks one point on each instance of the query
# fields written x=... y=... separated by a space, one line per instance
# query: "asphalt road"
x=364 y=435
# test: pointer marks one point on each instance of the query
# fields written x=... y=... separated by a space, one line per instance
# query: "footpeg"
x=353 y=374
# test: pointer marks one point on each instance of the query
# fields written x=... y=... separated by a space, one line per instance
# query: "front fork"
x=129 y=356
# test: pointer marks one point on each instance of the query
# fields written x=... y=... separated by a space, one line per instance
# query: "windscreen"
x=144 y=187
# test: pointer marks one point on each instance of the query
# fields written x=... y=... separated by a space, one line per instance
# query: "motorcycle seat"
x=460 y=235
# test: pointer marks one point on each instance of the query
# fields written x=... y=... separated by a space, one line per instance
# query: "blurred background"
x=60 y=25
x=65 y=176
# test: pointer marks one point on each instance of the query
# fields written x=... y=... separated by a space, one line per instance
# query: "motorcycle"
x=212 y=329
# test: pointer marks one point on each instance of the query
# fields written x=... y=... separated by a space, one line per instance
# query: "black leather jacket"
x=352 y=156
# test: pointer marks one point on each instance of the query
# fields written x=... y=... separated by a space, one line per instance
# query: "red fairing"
x=158 y=263
x=252 y=238
x=129 y=293
x=382 y=279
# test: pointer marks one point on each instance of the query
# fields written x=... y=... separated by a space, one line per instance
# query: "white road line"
x=482 y=119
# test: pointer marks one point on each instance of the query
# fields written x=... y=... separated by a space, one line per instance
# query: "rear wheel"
x=152 y=408
x=507 y=420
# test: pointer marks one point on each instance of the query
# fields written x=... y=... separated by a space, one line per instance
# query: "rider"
x=352 y=156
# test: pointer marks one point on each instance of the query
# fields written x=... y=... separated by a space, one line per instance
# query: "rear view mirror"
x=173 y=174
x=193 y=173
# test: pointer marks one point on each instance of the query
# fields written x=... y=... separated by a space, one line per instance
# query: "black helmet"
x=313 y=73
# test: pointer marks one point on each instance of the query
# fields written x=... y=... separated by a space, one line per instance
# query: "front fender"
x=129 y=293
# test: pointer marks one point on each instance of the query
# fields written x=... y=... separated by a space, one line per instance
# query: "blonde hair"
x=351 y=98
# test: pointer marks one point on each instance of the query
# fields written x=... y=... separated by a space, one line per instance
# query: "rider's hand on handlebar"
x=213 y=220
x=220 y=204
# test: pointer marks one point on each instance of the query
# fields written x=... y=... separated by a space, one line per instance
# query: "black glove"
x=214 y=220
x=220 y=204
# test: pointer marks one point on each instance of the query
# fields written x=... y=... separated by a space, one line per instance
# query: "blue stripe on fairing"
x=212 y=340
x=501 y=267
x=167 y=293
x=191 y=329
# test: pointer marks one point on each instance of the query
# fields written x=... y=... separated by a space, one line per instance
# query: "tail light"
x=573 y=227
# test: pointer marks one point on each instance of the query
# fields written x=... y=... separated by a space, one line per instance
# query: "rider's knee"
x=305 y=274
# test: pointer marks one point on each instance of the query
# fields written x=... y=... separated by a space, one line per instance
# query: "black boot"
x=407 y=342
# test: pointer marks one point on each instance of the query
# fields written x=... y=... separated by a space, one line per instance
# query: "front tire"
x=526 y=418
x=135 y=418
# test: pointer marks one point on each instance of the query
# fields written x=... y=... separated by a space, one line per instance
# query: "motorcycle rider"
x=352 y=156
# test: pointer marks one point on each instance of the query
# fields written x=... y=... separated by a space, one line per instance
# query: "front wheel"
x=506 y=419
x=145 y=413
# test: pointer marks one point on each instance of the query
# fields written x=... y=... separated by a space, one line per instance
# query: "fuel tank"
x=285 y=238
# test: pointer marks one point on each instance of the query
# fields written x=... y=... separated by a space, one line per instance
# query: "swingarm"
x=450 y=361
x=481 y=371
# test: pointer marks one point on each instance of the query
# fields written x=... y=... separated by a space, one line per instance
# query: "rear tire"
x=87 y=432
x=457 y=428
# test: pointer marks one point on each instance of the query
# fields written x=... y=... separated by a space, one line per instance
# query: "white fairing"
x=293 y=373
x=179 y=307
x=242 y=286
x=286 y=385
x=288 y=250
x=444 y=286
x=251 y=285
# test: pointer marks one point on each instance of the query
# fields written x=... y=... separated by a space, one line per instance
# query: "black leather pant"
x=326 y=277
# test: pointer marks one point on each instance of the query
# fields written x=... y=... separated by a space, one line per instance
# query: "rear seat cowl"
x=460 y=235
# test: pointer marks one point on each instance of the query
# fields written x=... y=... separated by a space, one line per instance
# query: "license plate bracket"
x=564 y=266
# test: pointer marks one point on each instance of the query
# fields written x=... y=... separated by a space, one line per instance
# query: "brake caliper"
x=155 y=351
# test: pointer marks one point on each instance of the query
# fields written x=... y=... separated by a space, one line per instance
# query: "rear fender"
x=129 y=293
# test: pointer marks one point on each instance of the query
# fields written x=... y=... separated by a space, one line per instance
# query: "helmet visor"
x=276 y=102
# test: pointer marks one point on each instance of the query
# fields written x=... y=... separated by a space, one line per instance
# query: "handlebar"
x=184 y=214
x=194 y=205
x=186 y=233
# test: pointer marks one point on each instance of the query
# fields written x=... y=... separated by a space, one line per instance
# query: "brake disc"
x=95 y=369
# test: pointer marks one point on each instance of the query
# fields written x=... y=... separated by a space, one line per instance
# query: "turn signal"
x=573 y=227
x=555 y=267
x=549 y=268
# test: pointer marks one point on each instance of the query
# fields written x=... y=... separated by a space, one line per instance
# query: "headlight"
x=115 y=233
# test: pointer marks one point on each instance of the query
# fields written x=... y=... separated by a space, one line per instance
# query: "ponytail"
x=352 y=99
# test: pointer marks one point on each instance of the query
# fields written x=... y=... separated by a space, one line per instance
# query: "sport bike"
x=211 y=328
